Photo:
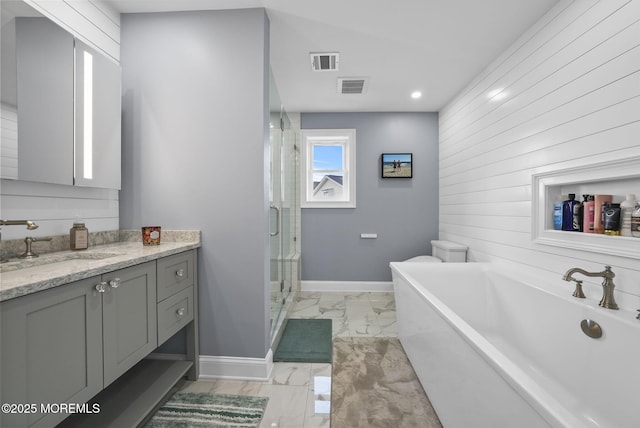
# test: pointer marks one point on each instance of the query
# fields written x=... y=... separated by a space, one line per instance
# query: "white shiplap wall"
x=55 y=207
x=568 y=94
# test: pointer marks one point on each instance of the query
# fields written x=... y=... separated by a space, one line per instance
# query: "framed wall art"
x=396 y=165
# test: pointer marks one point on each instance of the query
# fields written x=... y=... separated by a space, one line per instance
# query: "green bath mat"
x=195 y=409
x=305 y=341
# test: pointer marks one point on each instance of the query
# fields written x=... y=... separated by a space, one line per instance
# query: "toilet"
x=443 y=251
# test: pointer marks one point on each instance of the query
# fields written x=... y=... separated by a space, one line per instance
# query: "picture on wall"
x=397 y=165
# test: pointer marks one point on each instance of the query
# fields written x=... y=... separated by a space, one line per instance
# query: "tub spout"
x=607 y=300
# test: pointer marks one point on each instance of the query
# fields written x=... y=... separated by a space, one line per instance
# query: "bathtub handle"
x=578 y=291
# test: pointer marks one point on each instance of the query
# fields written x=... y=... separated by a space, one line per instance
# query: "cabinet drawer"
x=174 y=313
x=175 y=273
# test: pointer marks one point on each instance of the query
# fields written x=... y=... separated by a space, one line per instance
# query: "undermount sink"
x=47 y=259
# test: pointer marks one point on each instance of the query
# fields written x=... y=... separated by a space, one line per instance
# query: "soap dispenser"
x=79 y=236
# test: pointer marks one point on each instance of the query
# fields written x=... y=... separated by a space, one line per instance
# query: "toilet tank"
x=449 y=252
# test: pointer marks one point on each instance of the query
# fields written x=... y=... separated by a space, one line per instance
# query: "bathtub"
x=494 y=351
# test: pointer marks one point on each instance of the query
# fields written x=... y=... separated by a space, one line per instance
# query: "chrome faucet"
x=31 y=225
x=607 y=300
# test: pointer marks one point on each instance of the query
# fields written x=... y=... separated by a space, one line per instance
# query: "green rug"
x=305 y=341
x=195 y=409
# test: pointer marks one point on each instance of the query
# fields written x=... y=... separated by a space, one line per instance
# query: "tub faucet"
x=607 y=300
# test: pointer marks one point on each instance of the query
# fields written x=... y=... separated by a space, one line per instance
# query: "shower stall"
x=284 y=212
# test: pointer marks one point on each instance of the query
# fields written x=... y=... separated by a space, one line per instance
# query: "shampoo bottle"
x=567 y=212
x=578 y=216
x=600 y=201
x=612 y=219
x=635 y=221
x=626 y=209
x=588 y=210
x=557 y=215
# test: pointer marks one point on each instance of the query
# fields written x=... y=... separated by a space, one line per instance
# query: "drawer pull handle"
x=101 y=287
x=180 y=312
x=115 y=283
x=180 y=273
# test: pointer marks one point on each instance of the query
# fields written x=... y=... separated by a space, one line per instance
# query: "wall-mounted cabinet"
x=44 y=101
x=60 y=105
x=97 y=119
x=617 y=178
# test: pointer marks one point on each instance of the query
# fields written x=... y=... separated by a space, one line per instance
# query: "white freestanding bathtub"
x=494 y=351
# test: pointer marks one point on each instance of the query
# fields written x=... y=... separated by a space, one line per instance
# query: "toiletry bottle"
x=626 y=209
x=611 y=220
x=79 y=236
x=557 y=215
x=588 y=211
x=578 y=216
x=598 y=227
x=635 y=221
x=567 y=212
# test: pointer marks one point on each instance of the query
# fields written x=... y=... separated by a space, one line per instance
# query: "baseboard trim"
x=236 y=368
x=347 y=286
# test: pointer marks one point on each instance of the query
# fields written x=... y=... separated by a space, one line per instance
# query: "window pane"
x=328 y=187
x=327 y=157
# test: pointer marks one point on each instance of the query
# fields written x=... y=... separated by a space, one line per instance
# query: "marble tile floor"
x=300 y=393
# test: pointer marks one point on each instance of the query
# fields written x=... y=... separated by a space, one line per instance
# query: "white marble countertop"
x=54 y=269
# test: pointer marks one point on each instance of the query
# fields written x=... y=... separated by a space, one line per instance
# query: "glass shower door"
x=283 y=215
x=276 y=283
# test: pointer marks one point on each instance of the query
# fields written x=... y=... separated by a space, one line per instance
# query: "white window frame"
x=344 y=137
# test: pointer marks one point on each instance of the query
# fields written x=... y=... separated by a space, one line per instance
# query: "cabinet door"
x=45 y=101
x=98 y=117
x=129 y=318
x=51 y=350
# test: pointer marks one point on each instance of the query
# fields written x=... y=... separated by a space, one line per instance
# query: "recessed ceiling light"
x=415 y=95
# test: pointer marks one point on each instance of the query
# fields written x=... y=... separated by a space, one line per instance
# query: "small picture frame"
x=396 y=165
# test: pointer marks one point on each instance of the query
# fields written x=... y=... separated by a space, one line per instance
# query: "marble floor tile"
x=332 y=308
x=340 y=327
x=286 y=407
x=298 y=395
x=291 y=374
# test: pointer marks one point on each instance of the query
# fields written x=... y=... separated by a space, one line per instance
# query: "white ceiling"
x=401 y=46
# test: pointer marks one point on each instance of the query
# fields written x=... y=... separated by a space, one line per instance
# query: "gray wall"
x=195 y=144
x=403 y=212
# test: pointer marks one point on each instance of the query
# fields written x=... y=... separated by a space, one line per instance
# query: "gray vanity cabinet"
x=129 y=318
x=64 y=345
x=51 y=351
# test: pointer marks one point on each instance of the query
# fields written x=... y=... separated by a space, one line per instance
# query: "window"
x=328 y=168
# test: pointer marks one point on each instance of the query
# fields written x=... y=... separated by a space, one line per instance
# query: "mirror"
x=48 y=135
x=37 y=93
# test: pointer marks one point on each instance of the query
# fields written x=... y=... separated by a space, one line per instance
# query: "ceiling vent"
x=324 y=61
x=351 y=85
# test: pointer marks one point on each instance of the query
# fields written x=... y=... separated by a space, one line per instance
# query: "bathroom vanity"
x=82 y=330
